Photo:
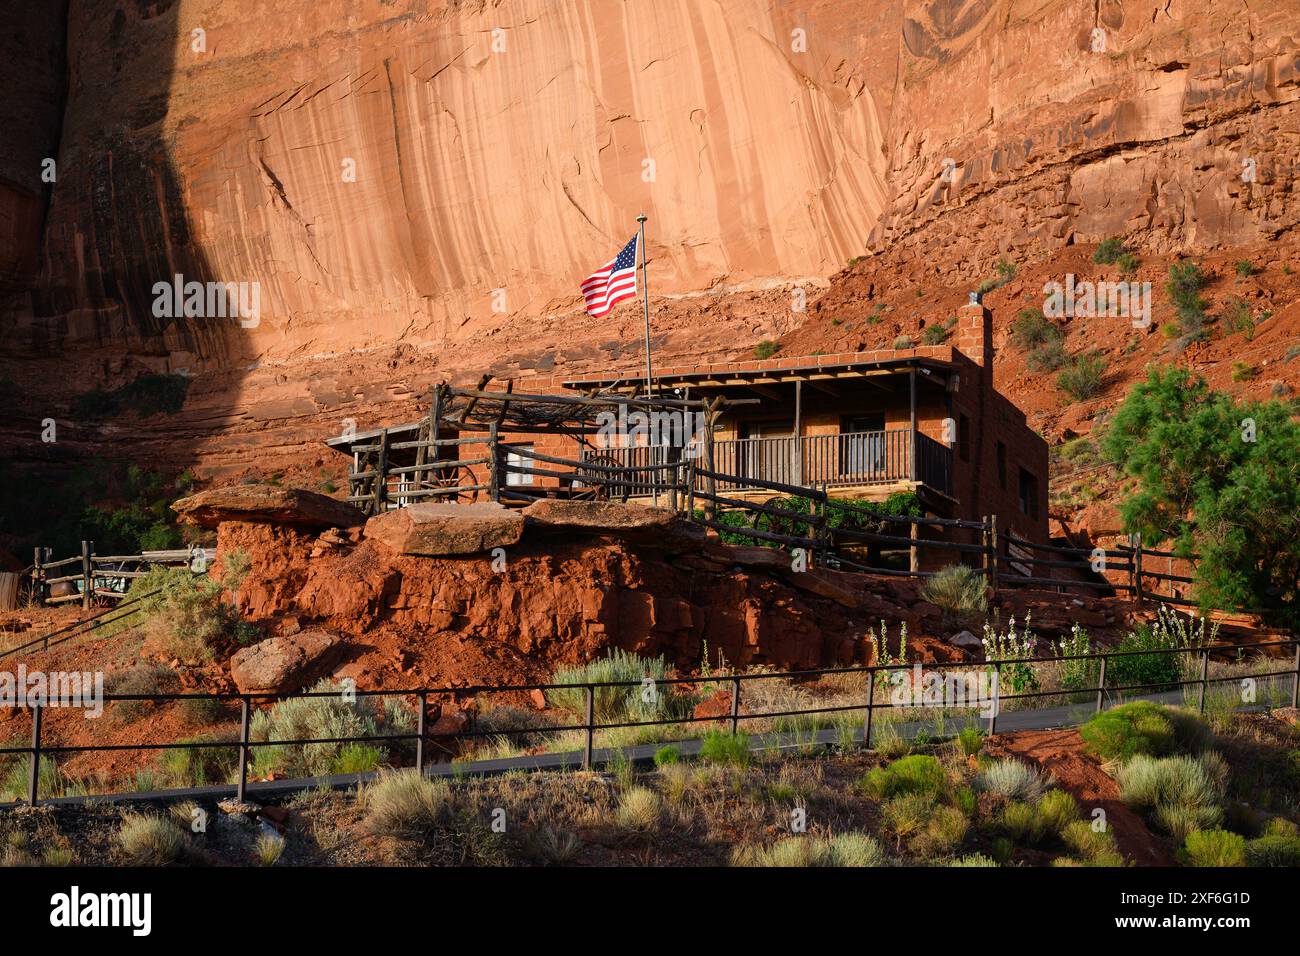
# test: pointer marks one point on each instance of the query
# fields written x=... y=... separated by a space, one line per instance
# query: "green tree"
x=1219 y=477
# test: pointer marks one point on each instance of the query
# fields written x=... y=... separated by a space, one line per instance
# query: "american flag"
x=612 y=282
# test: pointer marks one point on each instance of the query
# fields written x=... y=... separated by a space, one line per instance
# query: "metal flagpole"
x=645 y=288
x=652 y=474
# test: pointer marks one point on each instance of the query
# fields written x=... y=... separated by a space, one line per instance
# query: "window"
x=1002 y=465
x=963 y=437
x=520 y=459
x=1028 y=495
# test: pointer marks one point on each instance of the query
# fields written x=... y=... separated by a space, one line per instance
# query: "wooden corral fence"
x=92 y=579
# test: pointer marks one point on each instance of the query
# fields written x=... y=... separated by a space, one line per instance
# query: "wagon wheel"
x=451 y=476
x=596 y=482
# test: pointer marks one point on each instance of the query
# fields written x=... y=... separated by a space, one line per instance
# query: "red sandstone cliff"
x=502 y=146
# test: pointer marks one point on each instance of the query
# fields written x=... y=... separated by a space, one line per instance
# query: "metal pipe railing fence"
x=244 y=745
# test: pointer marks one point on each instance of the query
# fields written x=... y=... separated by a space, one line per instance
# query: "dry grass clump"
x=846 y=849
x=149 y=840
x=1012 y=779
x=639 y=809
x=268 y=848
x=406 y=805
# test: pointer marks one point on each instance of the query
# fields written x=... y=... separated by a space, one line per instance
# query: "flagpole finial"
x=641 y=218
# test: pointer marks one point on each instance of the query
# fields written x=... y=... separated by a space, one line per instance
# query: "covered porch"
x=864 y=429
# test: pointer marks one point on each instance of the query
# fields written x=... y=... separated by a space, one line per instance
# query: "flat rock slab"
x=267 y=504
x=433 y=530
x=615 y=519
x=286 y=664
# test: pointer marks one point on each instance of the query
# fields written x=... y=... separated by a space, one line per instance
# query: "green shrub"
x=957 y=591
x=724 y=748
x=904 y=342
x=1047 y=358
x=918 y=773
x=944 y=832
x=405 y=804
x=939 y=333
x=1273 y=851
x=971 y=740
x=146 y=395
x=1244 y=268
x=1098 y=848
x=1082 y=377
x=1032 y=330
x=1214 y=848
x=1108 y=251
x=622 y=704
x=1242 y=371
x=1128 y=263
x=1056 y=810
x=1022 y=823
x=1182 y=792
x=149 y=840
x=667 y=755
x=201 y=766
x=1237 y=317
x=332 y=716
x=186 y=618
x=1184 y=292
x=909 y=813
x=1012 y=779
x=766 y=349
x=1140 y=727
x=973 y=859
x=357 y=758
x=855 y=849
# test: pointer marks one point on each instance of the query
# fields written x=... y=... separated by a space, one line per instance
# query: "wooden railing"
x=90 y=578
x=849 y=459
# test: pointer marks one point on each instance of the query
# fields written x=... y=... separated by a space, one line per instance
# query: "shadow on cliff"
x=95 y=344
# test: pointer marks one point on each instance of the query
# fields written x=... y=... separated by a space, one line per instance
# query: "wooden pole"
x=993 y=553
x=911 y=384
x=38 y=576
x=914 y=552
x=494 y=464
x=87 y=575
x=381 y=472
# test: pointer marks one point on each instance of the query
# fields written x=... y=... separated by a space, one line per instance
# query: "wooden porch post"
x=87 y=574
x=798 y=432
x=710 y=423
x=911 y=387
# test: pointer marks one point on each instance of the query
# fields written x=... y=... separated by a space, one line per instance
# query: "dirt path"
x=1062 y=754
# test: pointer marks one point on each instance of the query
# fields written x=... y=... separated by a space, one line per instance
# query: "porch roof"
x=772 y=371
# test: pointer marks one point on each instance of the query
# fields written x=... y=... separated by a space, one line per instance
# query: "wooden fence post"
x=87 y=575
x=993 y=553
x=914 y=551
x=1135 y=541
x=494 y=464
x=381 y=472
x=38 y=576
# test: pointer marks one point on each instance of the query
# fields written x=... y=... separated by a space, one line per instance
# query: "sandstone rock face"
x=284 y=664
x=266 y=503
x=444 y=529
x=656 y=526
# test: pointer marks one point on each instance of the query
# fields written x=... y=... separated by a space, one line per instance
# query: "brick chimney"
x=974 y=336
